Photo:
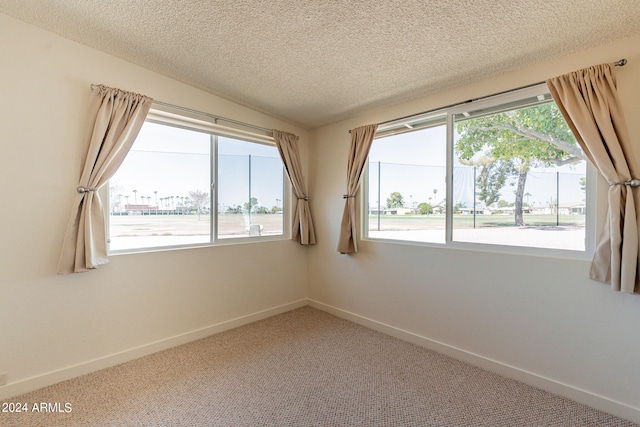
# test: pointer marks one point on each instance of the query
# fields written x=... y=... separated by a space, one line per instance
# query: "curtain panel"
x=361 y=139
x=302 y=229
x=589 y=101
x=115 y=118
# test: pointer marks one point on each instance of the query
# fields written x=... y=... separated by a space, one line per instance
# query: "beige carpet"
x=301 y=368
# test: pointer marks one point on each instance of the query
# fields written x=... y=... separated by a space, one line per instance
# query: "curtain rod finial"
x=620 y=63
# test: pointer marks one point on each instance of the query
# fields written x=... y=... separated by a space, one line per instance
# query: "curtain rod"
x=620 y=63
x=211 y=116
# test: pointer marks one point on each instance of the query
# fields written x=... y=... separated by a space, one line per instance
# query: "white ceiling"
x=314 y=62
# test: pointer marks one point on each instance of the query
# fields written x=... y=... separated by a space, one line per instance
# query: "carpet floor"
x=301 y=368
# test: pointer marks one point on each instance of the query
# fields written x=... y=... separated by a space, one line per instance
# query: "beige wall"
x=53 y=327
x=539 y=319
x=536 y=318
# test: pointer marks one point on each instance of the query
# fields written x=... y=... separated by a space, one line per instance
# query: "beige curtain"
x=589 y=102
x=361 y=139
x=116 y=118
x=302 y=230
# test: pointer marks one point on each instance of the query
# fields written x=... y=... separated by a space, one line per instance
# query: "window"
x=407 y=184
x=503 y=171
x=186 y=182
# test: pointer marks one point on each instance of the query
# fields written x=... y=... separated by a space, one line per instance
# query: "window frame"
x=594 y=183
x=191 y=121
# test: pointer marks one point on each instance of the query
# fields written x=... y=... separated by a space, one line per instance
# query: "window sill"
x=492 y=248
x=218 y=243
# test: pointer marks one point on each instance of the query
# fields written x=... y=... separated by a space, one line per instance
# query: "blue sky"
x=413 y=163
x=174 y=161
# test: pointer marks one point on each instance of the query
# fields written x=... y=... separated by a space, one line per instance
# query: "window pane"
x=518 y=179
x=407 y=186
x=160 y=195
x=250 y=189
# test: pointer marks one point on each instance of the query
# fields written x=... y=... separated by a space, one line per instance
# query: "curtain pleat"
x=589 y=101
x=361 y=139
x=117 y=118
x=302 y=230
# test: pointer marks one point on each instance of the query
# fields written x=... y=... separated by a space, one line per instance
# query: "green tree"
x=234 y=209
x=276 y=209
x=395 y=200
x=583 y=183
x=491 y=177
x=248 y=206
x=457 y=208
x=519 y=139
x=425 y=208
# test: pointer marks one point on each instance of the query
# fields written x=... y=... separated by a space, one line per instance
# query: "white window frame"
x=191 y=121
x=594 y=184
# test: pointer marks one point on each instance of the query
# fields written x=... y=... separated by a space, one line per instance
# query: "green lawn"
x=235 y=224
x=433 y=222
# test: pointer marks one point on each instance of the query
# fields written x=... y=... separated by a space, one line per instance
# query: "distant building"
x=139 y=208
x=391 y=211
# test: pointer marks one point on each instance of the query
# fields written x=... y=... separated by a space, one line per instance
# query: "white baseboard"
x=576 y=394
x=49 y=378
x=582 y=396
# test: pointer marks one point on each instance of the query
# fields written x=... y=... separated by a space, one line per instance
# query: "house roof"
x=315 y=62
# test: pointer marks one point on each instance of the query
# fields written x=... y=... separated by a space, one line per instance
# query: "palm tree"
x=135 y=196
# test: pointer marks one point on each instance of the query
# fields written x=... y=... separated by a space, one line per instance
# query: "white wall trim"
x=579 y=395
x=53 y=377
x=548 y=384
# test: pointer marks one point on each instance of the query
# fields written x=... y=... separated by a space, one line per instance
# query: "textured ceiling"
x=314 y=62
